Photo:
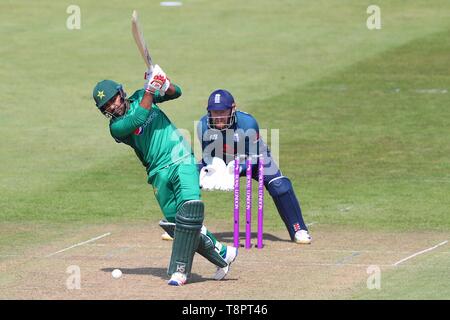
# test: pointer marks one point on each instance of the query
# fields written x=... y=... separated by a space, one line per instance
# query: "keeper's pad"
x=287 y=204
x=188 y=223
x=205 y=248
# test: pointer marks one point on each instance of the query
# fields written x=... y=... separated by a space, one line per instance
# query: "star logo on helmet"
x=100 y=94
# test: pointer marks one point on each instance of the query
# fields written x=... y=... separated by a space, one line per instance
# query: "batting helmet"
x=104 y=91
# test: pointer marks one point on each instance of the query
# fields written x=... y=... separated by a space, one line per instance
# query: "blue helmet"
x=221 y=100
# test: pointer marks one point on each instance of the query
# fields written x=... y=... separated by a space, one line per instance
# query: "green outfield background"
x=363 y=115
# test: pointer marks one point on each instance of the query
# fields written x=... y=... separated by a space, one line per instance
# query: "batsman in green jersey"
x=171 y=168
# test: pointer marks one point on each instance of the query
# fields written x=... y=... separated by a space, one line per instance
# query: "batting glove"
x=156 y=80
x=164 y=87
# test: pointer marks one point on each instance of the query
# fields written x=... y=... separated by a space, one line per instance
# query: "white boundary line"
x=79 y=244
x=320 y=264
x=420 y=252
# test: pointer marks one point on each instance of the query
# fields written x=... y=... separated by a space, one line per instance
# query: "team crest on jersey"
x=139 y=131
x=213 y=137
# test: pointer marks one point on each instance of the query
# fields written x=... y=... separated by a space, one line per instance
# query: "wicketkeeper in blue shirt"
x=225 y=132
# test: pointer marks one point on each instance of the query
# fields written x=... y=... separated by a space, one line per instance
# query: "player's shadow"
x=158 y=272
x=229 y=237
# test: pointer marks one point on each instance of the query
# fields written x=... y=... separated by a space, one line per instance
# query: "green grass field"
x=363 y=115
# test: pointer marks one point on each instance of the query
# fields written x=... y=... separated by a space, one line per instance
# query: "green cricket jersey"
x=150 y=133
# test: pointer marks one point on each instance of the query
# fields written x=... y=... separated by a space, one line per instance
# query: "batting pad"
x=188 y=223
x=205 y=248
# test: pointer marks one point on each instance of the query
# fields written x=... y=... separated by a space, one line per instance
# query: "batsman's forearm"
x=173 y=92
x=147 y=101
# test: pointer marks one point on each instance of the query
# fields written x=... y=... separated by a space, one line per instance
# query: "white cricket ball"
x=116 y=273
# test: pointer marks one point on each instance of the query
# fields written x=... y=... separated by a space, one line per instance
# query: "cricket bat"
x=140 y=41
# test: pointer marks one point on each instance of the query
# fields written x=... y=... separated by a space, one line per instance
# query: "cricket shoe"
x=230 y=256
x=177 y=279
x=302 y=237
x=166 y=236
